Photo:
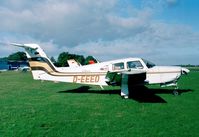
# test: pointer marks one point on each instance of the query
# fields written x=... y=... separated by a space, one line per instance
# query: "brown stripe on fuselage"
x=42 y=60
x=36 y=65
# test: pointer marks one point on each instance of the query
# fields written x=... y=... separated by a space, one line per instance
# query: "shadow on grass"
x=85 y=89
x=144 y=94
x=140 y=94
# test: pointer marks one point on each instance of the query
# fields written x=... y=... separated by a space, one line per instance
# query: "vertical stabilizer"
x=39 y=63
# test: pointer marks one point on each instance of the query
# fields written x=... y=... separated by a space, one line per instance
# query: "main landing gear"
x=175 y=91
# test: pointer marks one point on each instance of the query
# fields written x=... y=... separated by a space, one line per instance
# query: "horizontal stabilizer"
x=16 y=44
x=31 y=46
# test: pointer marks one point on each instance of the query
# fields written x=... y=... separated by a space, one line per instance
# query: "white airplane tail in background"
x=73 y=63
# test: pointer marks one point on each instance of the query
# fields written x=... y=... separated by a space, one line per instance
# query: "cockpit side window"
x=118 y=66
x=134 y=65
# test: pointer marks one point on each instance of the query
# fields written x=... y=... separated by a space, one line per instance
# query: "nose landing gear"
x=173 y=84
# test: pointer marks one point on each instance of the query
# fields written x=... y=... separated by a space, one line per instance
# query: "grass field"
x=33 y=108
x=193 y=68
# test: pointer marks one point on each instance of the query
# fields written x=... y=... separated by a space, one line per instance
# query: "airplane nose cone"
x=185 y=71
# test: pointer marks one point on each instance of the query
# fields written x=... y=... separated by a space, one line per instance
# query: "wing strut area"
x=130 y=80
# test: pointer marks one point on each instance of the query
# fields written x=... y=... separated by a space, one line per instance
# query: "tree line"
x=60 y=62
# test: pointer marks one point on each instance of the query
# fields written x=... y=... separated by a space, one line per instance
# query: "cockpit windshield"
x=148 y=63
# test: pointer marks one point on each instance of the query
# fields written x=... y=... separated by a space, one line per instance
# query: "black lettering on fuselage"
x=86 y=79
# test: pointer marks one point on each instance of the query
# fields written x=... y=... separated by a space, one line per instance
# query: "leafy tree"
x=80 y=59
x=64 y=56
x=53 y=60
x=62 y=59
x=90 y=58
x=3 y=59
x=18 y=56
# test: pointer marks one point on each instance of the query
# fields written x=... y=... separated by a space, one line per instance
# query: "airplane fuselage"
x=95 y=74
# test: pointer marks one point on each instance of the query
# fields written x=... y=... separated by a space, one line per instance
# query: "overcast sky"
x=163 y=31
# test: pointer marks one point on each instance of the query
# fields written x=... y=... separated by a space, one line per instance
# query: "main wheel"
x=175 y=93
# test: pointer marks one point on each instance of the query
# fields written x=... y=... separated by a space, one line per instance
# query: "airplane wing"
x=126 y=80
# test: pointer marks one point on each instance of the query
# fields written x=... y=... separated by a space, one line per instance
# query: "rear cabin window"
x=40 y=59
x=118 y=66
x=134 y=65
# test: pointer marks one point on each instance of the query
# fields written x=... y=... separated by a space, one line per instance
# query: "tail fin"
x=38 y=60
x=32 y=50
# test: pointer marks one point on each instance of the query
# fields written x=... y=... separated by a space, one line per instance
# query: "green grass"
x=193 y=68
x=34 y=108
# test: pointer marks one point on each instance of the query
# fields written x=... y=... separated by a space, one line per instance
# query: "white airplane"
x=124 y=72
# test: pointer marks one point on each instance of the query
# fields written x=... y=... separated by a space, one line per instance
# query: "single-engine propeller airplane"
x=123 y=72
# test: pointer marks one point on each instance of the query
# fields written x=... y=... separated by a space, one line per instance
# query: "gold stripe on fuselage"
x=36 y=65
